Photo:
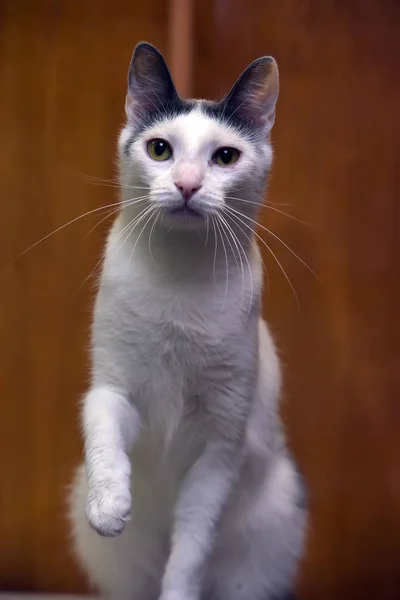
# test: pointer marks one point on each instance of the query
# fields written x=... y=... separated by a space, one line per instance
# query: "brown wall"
x=62 y=83
x=338 y=165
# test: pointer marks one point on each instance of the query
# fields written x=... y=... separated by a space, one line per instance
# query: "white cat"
x=186 y=475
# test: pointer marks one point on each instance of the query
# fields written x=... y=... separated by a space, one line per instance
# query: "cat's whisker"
x=65 y=225
x=117 y=186
x=122 y=186
x=219 y=217
x=96 y=178
x=207 y=228
x=128 y=201
x=151 y=233
x=226 y=261
x=273 y=254
x=107 y=216
x=115 y=180
x=120 y=234
x=280 y=240
x=152 y=209
x=239 y=248
x=129 y=228
x=247 y=260
x=215 y=249
x=113 y=212
x=253 y=243
x=270 y=207
x=75 y=219
x=259 y=204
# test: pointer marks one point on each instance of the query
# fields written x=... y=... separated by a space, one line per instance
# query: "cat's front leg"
x=111 y=426
x=200 y=503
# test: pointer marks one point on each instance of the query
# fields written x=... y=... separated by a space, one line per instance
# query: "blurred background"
x=63 y=67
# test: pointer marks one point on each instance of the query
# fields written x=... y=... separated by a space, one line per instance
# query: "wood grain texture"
x=337 y=163
x=63 y=70
x=180 y=44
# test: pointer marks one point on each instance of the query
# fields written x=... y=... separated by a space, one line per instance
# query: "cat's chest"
x=162 y=338
x=169 y=324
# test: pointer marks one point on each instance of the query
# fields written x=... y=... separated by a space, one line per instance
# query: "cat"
x=187 y=477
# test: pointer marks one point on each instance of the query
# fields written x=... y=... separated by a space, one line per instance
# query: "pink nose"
x=187 y=188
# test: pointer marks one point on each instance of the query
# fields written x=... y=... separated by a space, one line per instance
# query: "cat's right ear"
x=150 y=85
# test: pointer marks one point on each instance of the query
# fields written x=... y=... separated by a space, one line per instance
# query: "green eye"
x=226 y=156
x=159 y=149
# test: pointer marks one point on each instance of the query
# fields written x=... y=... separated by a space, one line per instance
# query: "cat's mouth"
x=185 y=211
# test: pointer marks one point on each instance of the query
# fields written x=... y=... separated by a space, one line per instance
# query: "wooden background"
x=62 y=84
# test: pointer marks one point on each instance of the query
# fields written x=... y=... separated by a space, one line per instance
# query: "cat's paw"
x=108 y=507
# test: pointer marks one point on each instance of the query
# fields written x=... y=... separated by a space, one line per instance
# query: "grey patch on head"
x=285 y=596
x=150 y=83
x=152 y=91
x=166 y=112
x=240 y=108
x=228 y=116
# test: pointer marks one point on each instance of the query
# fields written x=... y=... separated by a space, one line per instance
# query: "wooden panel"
x=337 y=165
x=63 y=68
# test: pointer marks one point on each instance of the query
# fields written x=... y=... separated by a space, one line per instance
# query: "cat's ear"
x=150 y=85
x=254 y=95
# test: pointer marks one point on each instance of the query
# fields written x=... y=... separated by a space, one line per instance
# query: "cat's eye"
x=159 y=149
x=224 y=157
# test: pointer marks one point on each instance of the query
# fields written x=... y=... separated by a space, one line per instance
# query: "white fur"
x=183 y=444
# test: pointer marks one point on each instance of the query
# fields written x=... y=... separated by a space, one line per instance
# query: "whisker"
x=223 y=224
x=237 y=244
x=130 y=227
x=117 y=186
x=151 y=210
x=274 y=255
x=120 y=234
x=109 y=214
x=215 y=248
x=113 y=212
x=247 y=260
x=114 y=181
x=95 y=178
x=260 y=204
x=253 y=243
x=90 y=212
x=268 y=205
x=207 y=228
x=151 y=233
x=226 y=262
x=279 y=239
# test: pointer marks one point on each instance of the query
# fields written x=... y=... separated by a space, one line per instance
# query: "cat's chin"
x=184 y=219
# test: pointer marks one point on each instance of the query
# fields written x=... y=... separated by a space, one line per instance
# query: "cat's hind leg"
x=260 y=545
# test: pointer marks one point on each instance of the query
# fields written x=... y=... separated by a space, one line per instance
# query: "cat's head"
x=195 y=159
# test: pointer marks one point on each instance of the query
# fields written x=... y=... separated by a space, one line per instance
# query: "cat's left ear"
x=150 y=85
x=255 y=93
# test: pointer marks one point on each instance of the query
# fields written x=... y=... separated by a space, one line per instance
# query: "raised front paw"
x=108 y=507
